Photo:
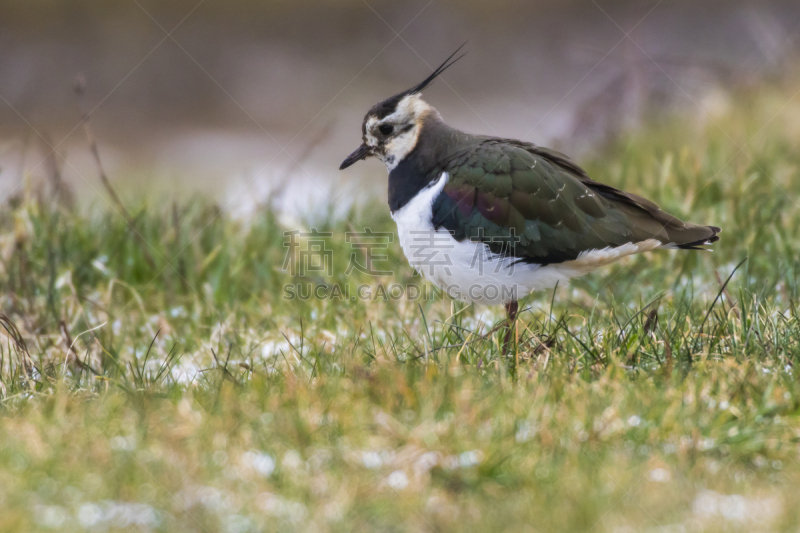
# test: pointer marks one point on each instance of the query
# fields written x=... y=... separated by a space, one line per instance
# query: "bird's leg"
x=511 y=311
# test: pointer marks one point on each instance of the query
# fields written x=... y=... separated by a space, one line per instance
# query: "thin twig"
x=16 y=336
x=80 y=90
x=309 y=149
x=61 y=192
x=72 y=354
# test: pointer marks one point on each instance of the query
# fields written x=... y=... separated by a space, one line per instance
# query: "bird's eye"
x=386 y=129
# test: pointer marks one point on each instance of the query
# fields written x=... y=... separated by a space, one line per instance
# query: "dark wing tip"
x=697 y=245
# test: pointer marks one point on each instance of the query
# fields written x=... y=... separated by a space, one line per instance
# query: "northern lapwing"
x=490 y=219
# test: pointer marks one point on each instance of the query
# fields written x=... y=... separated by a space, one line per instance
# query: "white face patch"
x=399 y=147
x=369 y=127
x=396 y=147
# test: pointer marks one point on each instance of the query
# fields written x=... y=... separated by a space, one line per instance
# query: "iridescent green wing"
x=536 y=205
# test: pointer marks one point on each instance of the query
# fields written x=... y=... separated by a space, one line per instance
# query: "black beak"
x=362 y=152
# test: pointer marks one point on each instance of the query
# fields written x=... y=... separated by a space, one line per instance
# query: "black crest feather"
x=449 y=62
x=388 y=106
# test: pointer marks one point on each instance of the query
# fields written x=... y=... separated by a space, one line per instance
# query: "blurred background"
x=253 y=100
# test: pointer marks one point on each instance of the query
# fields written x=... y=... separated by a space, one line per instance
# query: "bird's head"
x=391 y=128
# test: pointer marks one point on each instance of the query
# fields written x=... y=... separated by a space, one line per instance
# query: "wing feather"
x=539 y=206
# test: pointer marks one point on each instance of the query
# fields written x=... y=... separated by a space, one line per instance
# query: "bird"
x=490 y=219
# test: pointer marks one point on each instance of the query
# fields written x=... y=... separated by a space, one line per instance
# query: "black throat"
x=407 y=179
x=423 y=165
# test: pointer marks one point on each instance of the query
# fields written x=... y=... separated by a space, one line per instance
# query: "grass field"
x=172 y=386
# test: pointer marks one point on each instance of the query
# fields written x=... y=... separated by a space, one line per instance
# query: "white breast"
x=469 y=271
